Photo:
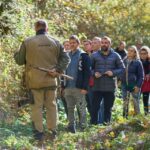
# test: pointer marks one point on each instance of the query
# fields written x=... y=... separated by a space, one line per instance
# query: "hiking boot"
x=38 y=135
x=72 y=129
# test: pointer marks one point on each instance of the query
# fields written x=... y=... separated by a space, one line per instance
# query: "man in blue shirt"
x=75 y=90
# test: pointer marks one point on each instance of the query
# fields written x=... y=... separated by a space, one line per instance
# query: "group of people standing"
x=108 y=67
x=95 y=69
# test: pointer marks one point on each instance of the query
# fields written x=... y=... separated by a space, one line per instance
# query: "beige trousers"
x=46 y=98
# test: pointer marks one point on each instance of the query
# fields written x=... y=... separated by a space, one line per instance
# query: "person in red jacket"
x=145 y=58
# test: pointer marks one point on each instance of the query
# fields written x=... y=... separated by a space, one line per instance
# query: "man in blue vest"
x=106 y=64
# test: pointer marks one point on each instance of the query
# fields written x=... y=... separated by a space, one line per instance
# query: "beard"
x=104 y=48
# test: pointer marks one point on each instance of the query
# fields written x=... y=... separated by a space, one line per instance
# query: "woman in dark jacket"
x=145 y=58
x=132 y=80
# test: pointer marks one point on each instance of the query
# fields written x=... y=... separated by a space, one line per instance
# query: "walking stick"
x=48 y=70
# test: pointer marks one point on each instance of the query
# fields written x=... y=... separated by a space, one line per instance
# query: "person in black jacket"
x=87 y=46
x=121 y=49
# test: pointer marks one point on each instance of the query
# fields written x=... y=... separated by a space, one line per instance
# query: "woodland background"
x=127 y=20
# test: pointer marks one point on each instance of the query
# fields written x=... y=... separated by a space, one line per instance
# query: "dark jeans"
x=108 y=98
x=145 y=102
x=65 y=105
x=101 y=113
x=89 y=97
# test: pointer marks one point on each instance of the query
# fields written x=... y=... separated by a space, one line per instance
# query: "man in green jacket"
x=43 y=51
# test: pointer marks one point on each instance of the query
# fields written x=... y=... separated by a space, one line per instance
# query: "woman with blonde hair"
x=145 y=90
x=132 y=80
